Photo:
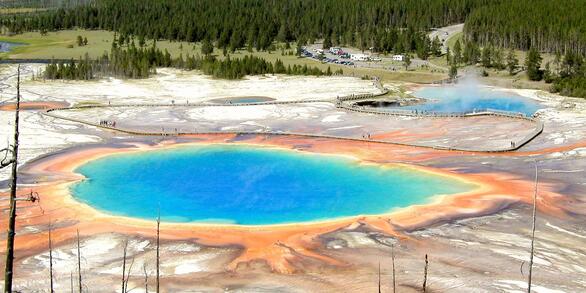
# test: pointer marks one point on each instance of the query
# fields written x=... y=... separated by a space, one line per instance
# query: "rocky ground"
x=484 y=253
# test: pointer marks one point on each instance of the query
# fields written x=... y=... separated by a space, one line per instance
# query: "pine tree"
x=206 y=47
x=457 y=55
x=327 y=42
x=486 y=57
x=548 y=75
x=436 y=47
x=453 y=71
x=423 y=49
x=532 y=64
x=407 y=61
x=282 y=34
x=497 y=58
x=512 y=62
x=472 y=53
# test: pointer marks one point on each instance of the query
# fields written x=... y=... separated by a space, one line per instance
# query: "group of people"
x=108 y=123
x=366 y=136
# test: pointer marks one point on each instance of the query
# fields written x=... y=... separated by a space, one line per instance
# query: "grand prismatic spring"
x=252 y=186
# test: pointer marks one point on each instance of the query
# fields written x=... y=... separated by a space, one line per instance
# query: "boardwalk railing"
x=265 y=132
x=339 y=102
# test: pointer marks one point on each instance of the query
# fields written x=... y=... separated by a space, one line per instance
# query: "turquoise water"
x=242 y=100
x=248 y=100
x=462 y=98
x=251 y=185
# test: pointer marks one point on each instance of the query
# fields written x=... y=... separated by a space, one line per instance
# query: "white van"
x=359 y=57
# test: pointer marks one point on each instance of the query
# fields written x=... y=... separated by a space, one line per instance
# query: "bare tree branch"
x=9 y=263
x=393 y=261
x=5 y=162
x=79 y=264
x=533 y=231
x=425 y=275
x=128 y=276
x=146 y=278
x=123 y=290
x=379 y=289
x=51 y=260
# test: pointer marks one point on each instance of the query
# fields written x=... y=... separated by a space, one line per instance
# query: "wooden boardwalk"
x=340 y=103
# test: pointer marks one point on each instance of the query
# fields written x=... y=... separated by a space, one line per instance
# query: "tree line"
x=236 y=68
x=470 y=53
x=566 y=73
x=257 y=23
x=548 y=26
x=130 y=61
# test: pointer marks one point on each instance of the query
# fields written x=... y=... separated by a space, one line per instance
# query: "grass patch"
x=519 y=80
x=63 y=45
x=60 y=45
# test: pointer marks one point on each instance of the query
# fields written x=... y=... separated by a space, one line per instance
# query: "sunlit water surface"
x=470 y=97
x=251 y=185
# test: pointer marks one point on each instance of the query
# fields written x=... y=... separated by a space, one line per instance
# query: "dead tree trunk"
x=379 y=291
x=128 y=275
x=425 y=275
x=124 y=267
x=8 y=271
x=533 y=232
x=146 y=279
x=158 y=242
x=79 y=264
x=393 y=263
x=51 y=261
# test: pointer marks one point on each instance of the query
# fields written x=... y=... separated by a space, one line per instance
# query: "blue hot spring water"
x=466 y=98
x=251 y=185
x=248 y=100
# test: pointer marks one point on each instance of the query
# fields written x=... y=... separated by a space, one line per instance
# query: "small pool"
x=8 y=46
x=242 y=100
x=467 y=98
x=251 y=185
